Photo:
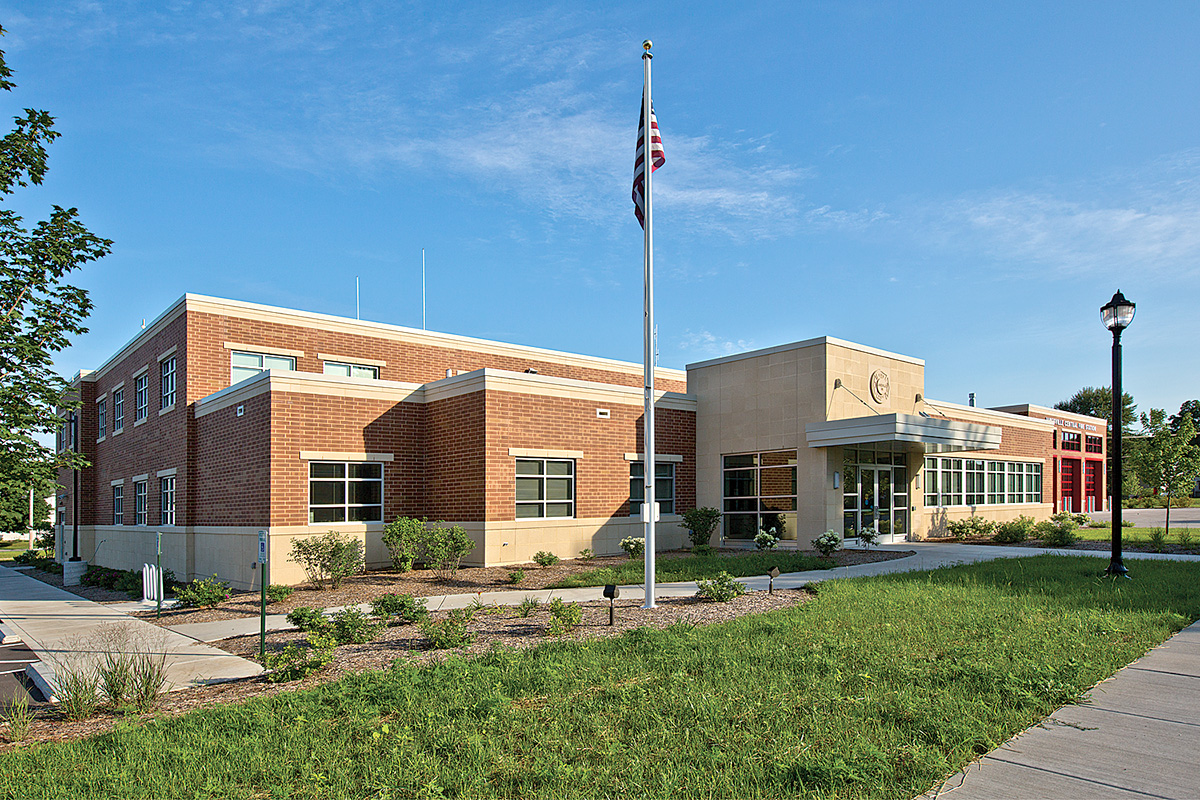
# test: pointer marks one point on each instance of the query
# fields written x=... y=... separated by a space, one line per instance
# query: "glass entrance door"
x=876 y=496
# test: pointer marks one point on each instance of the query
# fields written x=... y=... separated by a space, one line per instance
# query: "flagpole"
x=650 y=504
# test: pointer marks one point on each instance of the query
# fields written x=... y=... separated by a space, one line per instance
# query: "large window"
x=101 y=419
x=118 y=504
x=664 y=487
x=985 y=482
x=139 y=503
x=759 y=492
x=1094 y=444
x=341 y=491
x=545 y=488
x=141 y=401
x=351 y=370
x=118 y=396
x=166 y=370
x=245 y=365
x=1069 y=441
x=166 y=496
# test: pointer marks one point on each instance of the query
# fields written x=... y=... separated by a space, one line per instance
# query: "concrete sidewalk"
x=64 y=628
x=1137 y=735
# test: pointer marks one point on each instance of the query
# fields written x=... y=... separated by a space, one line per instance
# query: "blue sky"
x=961 y=182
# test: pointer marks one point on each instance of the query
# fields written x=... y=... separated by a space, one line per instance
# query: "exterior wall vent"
x=603 y=413
x=241 y=410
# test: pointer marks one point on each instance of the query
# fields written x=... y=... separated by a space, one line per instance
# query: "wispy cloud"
x=706 y=343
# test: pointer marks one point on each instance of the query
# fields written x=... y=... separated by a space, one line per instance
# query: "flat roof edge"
x=815 y=342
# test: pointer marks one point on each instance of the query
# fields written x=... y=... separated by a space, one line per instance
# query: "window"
x=166 y=496
x=1069 y=441
x=545 y=488
x=985 y=482
x=995 y=485
x=952 y=482
x=351 y=370
x=245 y=365
x=118 y=397
x=139 y=503
x=664 y=487
x=974 y=482
x=1033 y=483
x=759 y=491
x=1094 y=444
x=340 y=491
x=931 y=482
x=118 y=505
x=101 y=421
x=166 y=369
x=141 y=401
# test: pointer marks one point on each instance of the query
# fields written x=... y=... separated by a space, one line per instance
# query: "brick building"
x=222 y=419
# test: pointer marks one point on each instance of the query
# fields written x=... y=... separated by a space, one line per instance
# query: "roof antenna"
x=143 y=323
x=423 y=290
x=356 y=314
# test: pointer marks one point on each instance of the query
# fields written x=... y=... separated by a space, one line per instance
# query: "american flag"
x=639 y=164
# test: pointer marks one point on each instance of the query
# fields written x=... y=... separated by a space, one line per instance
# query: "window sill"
x=118 y=431
x=167 y=409
x=100 y=439
x=141 y=421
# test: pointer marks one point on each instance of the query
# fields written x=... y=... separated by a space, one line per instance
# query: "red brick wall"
x=233 y=465
x=455 y=465
x=1015 y=442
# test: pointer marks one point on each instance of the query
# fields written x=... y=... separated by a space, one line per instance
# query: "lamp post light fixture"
x=772 y=574
x=1116 y=315
x=611 y=592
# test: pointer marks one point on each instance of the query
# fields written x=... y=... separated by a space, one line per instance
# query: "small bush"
x=970 y=528
x=76 y=688
x=294 y=662
x=722 y=588
x=766 y=541
x=1058 y=531
x=564 y=617
x=544 y=559
x=1185 y=539
x=827 y=543
x=516 y=576
x=587 y=554
x=443 y=549
x=351 y=626
x=1157 y=540
x=115 y=673
x=402 y=538
x=18 y=717
x=329 y=557
x=527 y=606
x=202 y=593
x=44 y=563
x=309 y=620
x=402 y=607
x=450 y=631
x=277 y=592
x=868 y=537
x=1100 y=523
x=1015 y=531
x=117 y=580
x=634 y=546
x=703 y=549
x=700 y=524
x=1080 y=520
x=1125 y=523
x=149 y=675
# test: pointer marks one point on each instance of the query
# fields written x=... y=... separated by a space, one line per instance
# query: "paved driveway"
x=1154 y=517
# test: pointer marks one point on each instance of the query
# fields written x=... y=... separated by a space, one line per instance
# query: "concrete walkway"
x=65 y=629
x=1137 y=735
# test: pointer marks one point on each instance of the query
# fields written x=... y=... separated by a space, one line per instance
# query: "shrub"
x=868 y=537
x=703 y=549
x=450 y=631
x=1058 y=531
x=44 y=563
x=277 y=593
x=1157 y=540
x=1100 y=523
x=827 y=543
x=971 y=527
x=18 y=717
x=402 y=537
x=516 y=576
x=115 y=674
x=294 y=662
x=766 y=541
x=76 y=688
x=309 y=620
x=149 y=675
x=587 y=554
x=1185 y=539
x=527 y=606
x=1080 y=520
x=544 y=559
x=328 y=557
x=1014 y=531
x=403 y=607
x=634 y=547
x=564 y=617
x=443 y=549
x=352 y=626
x=1125 y=523
x=722 y=588
x=202 y=593
x=700 y=524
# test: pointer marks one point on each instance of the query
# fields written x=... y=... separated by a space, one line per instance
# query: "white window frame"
x=140 y=503
x=141 y=397
x=351 y=368
x=637 y=486
x=347 y=481
x=101 y=419
x=166 y=371
x=264 y=364
x=166 y=498
x=540 y=508
x=118 y=398
x=1004 y=482
x=118 y=495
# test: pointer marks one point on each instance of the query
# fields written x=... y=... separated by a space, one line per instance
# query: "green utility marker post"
x=158 y=581
x=262 y=580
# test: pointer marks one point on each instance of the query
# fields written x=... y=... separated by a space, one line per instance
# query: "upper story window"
x=351 y=370
x=101 y=419
x=118 y=398
x=166 y=496
x=244 y=365
x=664 y=487
x=139 y=503
x=545 y=487
x=1069 y=441
x=141 y=400
x=167 y=382
x=1094 y=444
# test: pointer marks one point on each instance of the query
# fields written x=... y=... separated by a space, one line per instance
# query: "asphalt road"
x=13 y=685
x=1154 y=517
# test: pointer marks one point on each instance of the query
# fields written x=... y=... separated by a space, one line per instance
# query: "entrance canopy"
x=938 y=435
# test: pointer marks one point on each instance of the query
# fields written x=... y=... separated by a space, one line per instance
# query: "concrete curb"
x=42 y=676
x=8 y=635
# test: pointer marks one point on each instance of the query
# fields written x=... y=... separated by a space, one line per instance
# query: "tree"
x=14 y=505
x=39 y=311
x=1191 y=408
x=1096 y=401
x=1167 y=459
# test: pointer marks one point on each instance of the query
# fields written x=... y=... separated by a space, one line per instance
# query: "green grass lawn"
x=878 y=687
x=690 y=568
x=1131 y=535
x=10 y=550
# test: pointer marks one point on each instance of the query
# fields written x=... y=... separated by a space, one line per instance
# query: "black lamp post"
x=1116 y=314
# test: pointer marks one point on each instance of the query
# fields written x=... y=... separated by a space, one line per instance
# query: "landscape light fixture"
x=612 y=593
x=772 y=574
x=1116 y=315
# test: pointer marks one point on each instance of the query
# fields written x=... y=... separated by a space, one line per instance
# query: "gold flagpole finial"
x=646 y=45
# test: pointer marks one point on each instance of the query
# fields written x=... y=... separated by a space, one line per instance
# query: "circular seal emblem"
x=880 y=386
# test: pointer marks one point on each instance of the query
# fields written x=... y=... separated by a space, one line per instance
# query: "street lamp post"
x=1116 y=315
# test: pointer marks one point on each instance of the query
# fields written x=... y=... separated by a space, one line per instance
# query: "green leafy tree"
x=1096 y=401
x=1167 y=459
x=39 y=311
x=1190 y=408
x=14 y=505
